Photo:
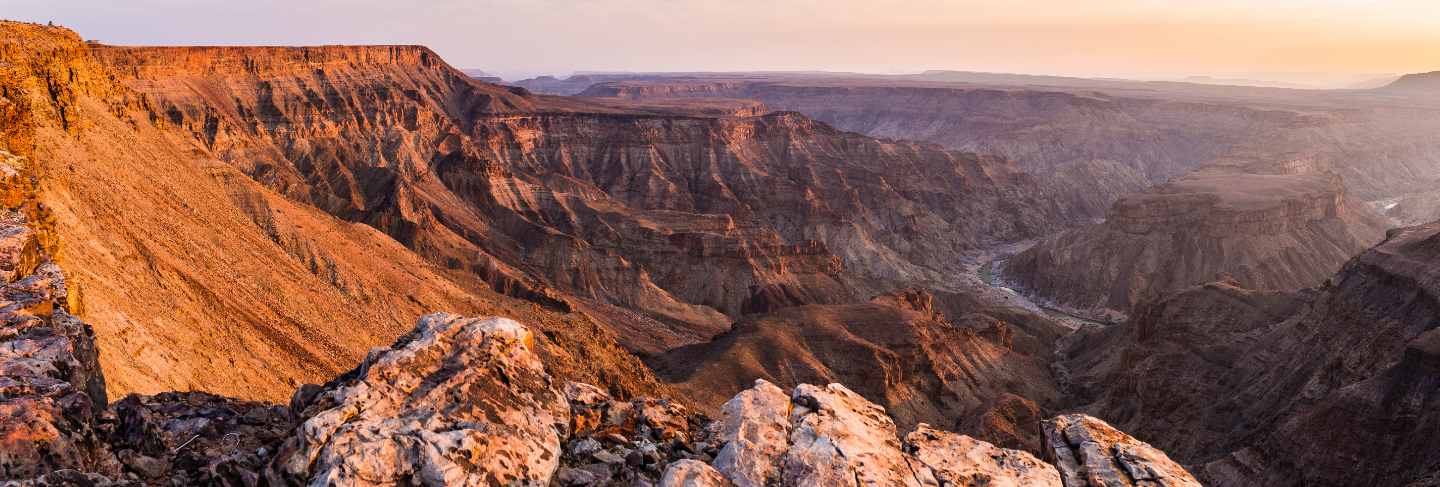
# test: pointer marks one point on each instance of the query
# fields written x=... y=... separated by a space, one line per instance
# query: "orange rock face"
x=194 y=275
x=666 y=222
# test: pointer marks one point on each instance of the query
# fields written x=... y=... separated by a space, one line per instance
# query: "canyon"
x=358 y=265
x=1263 y=231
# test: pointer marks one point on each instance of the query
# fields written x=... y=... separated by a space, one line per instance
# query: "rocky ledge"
x=466 y=401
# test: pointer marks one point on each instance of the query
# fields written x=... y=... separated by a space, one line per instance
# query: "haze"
x=1317 y=41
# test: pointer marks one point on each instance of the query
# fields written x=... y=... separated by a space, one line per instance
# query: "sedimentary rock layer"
x=1270 y=387
x=666 y=221
x=1265 y=231
x=195 y=276
x=983 y=372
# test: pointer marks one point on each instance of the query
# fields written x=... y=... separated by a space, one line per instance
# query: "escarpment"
x=1265 y=231
x=198 y=277
x=1098 y=146
x=668 y=223
x=1271 y=387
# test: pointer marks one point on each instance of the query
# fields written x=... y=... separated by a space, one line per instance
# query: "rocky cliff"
x=197 y=277
x=1128 y=141
x=1130 y=134
x=665 y=224
x=984 y=371
x=468 y=401
x=1331 y=386
x=1265 y=231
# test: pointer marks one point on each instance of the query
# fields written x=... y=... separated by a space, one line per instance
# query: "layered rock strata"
x=1265 y=231
x=596 y=206
x=1278 y=387
x=984 y=372
x=198 y=277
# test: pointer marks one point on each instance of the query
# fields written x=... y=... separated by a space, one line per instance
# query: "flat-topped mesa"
x=1264 y=231
x=635 y=90
x=146 y=62
x=1218 y=204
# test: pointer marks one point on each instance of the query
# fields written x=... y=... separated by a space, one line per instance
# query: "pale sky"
x=519 y=38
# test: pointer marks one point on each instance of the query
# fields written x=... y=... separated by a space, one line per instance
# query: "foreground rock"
x=467 y=401
x=1089 y=452
x=454 y=402
x=52 y=392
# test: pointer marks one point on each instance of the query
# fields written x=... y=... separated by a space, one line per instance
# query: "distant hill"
x=1417 y=82
x=481 y=75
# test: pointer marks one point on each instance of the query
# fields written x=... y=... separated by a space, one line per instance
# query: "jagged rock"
x=1090 y=453
x=693 y=473
x=962 y=461
x=839 y=437
x=755 y=427
x=457 y=401
x=187 y=438
x=73 y=478
x=927 y=357
x=52 y=392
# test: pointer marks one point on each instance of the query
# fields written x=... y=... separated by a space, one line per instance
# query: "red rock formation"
x=666 y=225
x=980 y=374
x=197 y=277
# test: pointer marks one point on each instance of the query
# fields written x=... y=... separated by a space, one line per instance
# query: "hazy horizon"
x=1316 y=42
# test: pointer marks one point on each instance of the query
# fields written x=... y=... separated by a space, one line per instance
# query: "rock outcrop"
x=1089 y=452
x=1265 y=231
x=52 y=390
x=984 y=372
x=467 y=401
x=454 y=402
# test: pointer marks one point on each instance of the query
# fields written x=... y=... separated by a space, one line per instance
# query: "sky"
x=1269 y=39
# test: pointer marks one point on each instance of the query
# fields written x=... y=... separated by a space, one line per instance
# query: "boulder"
x=693 y=473
x=755 y=427
x=1091 y=453
x=457 y=401
x=962 y=461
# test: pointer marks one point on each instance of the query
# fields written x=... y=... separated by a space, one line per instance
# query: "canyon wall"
x=606 y=208
x=1265 y=231
x=1328 y=386
x=196 y=277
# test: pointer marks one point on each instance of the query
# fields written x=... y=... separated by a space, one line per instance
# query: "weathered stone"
x=1090 y=453
x=52 y=392
x=457 y=401
x=692 y=473
x=575 y=476
x=843 y=439
x=962 y=461
x=755 y=428
x=587 y=406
